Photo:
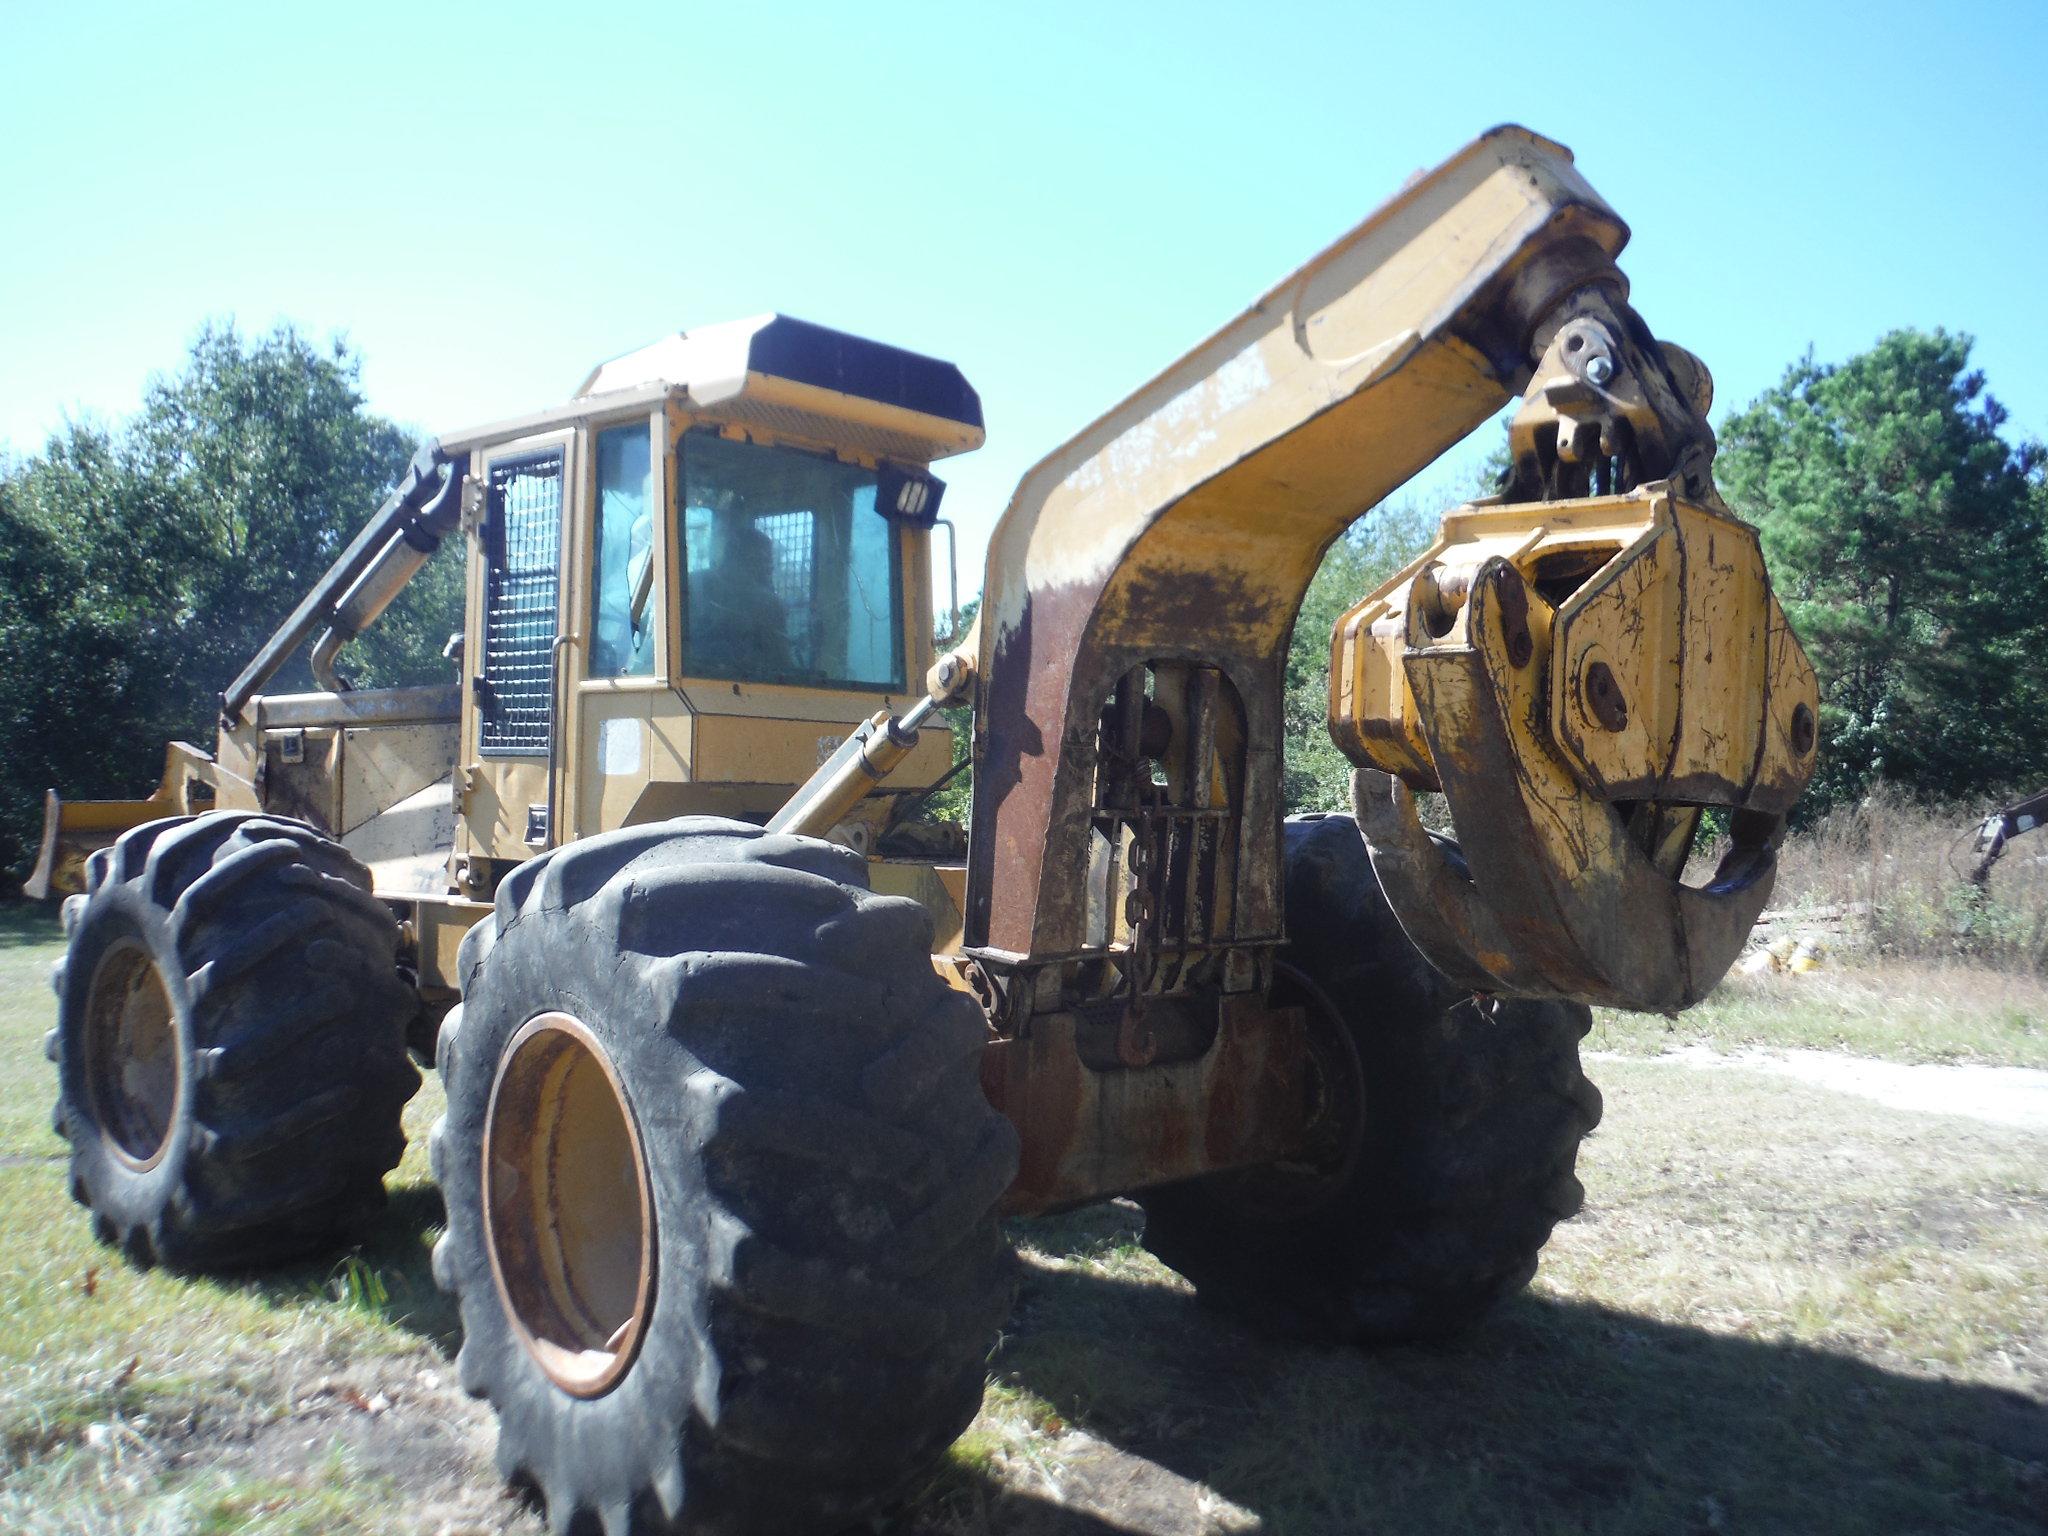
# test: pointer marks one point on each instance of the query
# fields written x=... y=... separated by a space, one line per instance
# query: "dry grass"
x=1916 y=964
x=1891 y=876
x=1783 y=1311
x=1902 y=1010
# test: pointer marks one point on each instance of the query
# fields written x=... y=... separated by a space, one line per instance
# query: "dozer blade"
x=74 y=830
x=1579 y=679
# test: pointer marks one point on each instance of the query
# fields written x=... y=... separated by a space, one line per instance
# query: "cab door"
x=615 y=674
x=511 y=708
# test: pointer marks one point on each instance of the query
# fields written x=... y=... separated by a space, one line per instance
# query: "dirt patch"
x=255 y=1453
x=394 y=1422
x=2009 y=1096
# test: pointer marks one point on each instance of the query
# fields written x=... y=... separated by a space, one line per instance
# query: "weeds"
x=1892 y=876
x=357 y=1286
x=1919 y=964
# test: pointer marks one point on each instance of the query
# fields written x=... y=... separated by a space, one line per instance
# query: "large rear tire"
x=230 y=1043
x=720 y=1182
x=1473 y=1114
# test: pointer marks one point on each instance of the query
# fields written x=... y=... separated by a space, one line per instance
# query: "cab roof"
x=782 y=374
x=784 y=347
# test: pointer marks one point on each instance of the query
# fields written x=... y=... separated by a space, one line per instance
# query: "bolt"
x=1802 y=730
x=1599 y=368
x=1438 y=595
x=1602 y=697
x=1513 y=599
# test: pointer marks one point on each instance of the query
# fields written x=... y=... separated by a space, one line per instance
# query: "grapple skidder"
x=745 y=1052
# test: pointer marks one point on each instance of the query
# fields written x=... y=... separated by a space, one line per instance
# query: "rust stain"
x=1087 y=1132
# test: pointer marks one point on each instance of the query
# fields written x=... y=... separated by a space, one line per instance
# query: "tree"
x=1905 y=536
x=1318 y=776
x=142 y=565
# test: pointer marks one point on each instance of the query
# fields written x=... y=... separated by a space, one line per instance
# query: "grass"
x=1890 y=876
x=149 y=1402
x=1783 y=1311
x=1915 y=963
x=1898 y=1008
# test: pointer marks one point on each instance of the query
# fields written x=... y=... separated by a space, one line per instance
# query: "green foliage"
x=954 y=802
x=142 y=565
x=1905 y=535
x=1318 y=776
x=404 y=646
x=358 y=1286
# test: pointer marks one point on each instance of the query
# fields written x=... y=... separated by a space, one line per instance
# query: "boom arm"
x=1198 y=510
x=1154 y=565
x=2001 y=827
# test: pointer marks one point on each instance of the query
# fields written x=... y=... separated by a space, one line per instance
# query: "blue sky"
x=487 y=200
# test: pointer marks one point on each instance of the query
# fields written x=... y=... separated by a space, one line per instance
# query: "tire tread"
x=1475 y=1112
x=848 y=1168
x=297 y=1085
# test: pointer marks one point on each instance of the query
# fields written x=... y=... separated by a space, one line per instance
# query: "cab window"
x=791 y=575
x=620 y=646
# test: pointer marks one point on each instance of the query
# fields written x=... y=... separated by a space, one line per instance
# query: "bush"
x=1892 y=874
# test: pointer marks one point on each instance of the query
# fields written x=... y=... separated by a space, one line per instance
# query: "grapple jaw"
x=1579 y=679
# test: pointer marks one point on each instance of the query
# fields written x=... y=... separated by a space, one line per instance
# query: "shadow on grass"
x=389 y=1274
x=1553 y=1416
x=400 y=1250
x=24 y=922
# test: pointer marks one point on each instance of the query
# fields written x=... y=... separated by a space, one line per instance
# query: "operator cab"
x=688 y=584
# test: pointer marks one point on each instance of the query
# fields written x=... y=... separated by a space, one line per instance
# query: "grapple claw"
x=1578 y=679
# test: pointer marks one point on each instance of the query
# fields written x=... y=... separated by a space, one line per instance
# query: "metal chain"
x=1144 y=920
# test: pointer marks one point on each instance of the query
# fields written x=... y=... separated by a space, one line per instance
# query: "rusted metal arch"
x=1189 y=520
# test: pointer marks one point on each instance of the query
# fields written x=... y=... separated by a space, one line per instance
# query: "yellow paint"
x=1287 y=424
x=1671 y=597
x=941 y=889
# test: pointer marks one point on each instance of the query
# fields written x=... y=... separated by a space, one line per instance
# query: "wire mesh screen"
x=792 y=533
x=795 y=536
x=519 y=605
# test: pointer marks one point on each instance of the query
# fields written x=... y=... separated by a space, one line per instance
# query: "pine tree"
x=1905 y=536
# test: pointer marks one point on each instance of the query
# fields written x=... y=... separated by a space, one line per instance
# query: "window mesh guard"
x=519 y=605
x=795 y=576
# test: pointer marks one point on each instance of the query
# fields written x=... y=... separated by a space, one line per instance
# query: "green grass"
x=1783 y=1311
x=143 y=1401
x=1900 y=1010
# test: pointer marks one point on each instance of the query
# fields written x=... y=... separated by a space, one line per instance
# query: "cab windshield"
x=791 y=575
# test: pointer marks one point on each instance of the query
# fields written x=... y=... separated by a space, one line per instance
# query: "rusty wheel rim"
x=1333 y=1115
x=1336 y=1112
x=134 y=1056
x=568 y=1213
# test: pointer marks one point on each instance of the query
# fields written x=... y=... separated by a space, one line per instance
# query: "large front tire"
x=1473 y=1115
x=721 y=1037
x=230 y=1043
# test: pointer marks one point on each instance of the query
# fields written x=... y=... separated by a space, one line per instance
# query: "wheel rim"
x=134 y=1059
x=1334 y=1115
x=568 y=1216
